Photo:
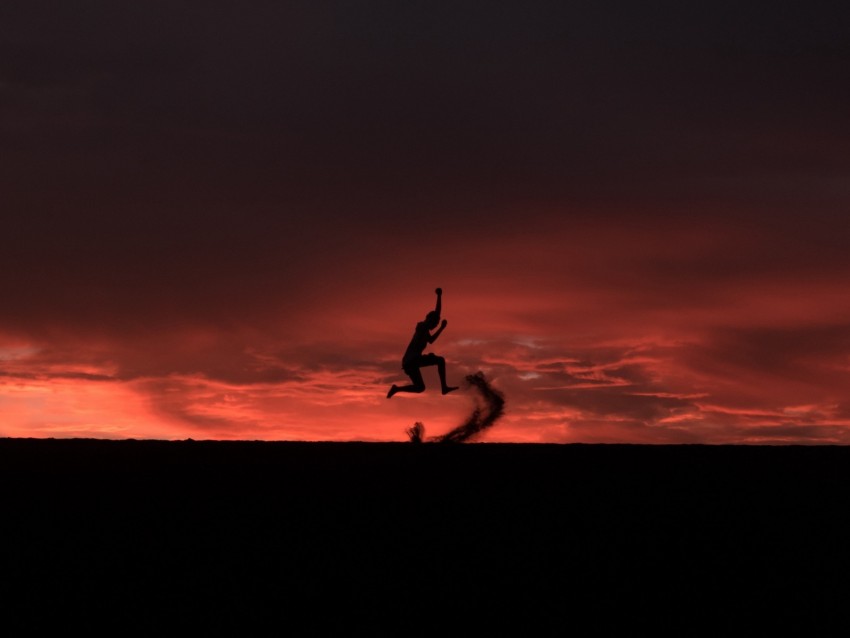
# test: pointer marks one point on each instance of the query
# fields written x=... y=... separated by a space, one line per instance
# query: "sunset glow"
x=218 y=227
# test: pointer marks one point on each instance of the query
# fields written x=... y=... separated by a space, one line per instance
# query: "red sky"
x=225 y=223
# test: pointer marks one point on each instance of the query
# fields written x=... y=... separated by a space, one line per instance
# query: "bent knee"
x=419 y=387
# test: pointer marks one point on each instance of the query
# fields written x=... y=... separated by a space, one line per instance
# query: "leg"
x=417 y=386
x=441 y=369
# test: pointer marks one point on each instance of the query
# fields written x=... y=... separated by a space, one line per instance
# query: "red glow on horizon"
x=628 y=337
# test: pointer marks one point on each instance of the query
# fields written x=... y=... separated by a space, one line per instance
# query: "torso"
x=418 y=342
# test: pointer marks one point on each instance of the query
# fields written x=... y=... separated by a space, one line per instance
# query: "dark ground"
x=431 y=539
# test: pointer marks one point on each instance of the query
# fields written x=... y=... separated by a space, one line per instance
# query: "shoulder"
x=422 y=328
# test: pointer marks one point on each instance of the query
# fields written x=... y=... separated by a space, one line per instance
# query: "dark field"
x=432 y=539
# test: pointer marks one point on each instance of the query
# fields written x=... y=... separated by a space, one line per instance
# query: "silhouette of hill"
x=401 y=539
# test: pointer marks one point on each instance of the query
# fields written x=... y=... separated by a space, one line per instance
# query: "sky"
x=223 y=220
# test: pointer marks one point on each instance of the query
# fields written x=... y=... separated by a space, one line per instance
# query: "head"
x=432 y=319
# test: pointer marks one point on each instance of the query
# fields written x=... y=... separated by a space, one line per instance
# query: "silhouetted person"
x=414 y=359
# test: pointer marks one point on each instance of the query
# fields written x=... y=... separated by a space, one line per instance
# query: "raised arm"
x=433 y=336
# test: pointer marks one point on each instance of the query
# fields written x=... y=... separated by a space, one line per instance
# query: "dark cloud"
x=56 y=375
x=810 y=354
x=512 y=100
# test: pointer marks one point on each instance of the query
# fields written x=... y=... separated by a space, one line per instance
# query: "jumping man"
x=413 y=358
